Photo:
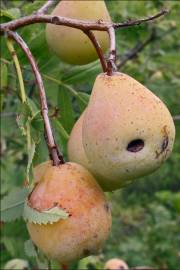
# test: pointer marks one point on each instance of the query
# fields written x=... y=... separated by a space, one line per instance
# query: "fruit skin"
x=115 y=264
x=122 y=110
x=77 y=154
x=75 y=148
x=74 y=189
x=70 y=44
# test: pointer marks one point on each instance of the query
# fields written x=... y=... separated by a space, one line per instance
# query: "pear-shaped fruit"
x=77 y=154
x=127 y=131
x=75 y=147
x=70 y=44
x=71 y=187
x=115 y=264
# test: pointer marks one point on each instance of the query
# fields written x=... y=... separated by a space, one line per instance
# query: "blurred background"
x=146 y=214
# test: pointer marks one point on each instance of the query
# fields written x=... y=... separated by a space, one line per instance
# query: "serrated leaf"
x=29 y=248
x=12 y=205
x=47 y=216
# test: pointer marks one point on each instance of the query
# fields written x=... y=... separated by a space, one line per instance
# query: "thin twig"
x=176 y=117
x=132 y=53
x=54 y=154
x=22 y=93
x=112 y=52
x=18 y=70
x=136 y=49
x=45 y=7
x=79 y=24
x=140 y=21
x=98 y=48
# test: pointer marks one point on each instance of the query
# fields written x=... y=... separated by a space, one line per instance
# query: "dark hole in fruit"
x=135 y=145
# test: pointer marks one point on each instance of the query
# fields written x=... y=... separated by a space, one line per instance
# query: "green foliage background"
x=145 y=214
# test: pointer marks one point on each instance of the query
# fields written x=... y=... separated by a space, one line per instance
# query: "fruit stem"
x=111 y=66
x=45 y=7
x=79 y=24
x=56 y=157
x=98 y=48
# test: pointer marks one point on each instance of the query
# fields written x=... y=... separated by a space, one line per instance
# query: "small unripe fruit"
x=115 y=264
x=72 y=188
x=70 y=44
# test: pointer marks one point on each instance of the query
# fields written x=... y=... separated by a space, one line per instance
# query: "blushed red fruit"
x=115 y=264
x=127 y=131
x=73 y=188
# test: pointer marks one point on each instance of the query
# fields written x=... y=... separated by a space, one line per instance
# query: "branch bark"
x=45 y=7
x=79 y=24
x=98 y=48
x=137 y=48
x=176 y=117
x=53 y=150
x=140 y=21
x=111 y=66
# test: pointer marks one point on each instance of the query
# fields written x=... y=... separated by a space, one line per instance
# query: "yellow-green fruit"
x=127 y=131
x=75 y=146
x=70 y=44
x=115 y=264
x=77 y=154
x=71 y=187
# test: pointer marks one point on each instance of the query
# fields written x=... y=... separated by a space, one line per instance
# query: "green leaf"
x=66 y=110
x=12 y=13
x=83 y=100
x=81 y=73
x=31 y=153
x=12 y=205
x=61 y=129
x=23 y=116
x=47 y=216
x=37 y=122
x=29 y=248
x=32 y=106
x=3 y=76
x=9 y=243
x=37 y=127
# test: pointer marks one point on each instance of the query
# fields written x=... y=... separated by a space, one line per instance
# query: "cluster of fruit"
x=125 y=132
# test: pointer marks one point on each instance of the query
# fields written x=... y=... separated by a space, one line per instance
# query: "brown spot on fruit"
x=165 y=142
x=106 y=206
x=86 y=252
